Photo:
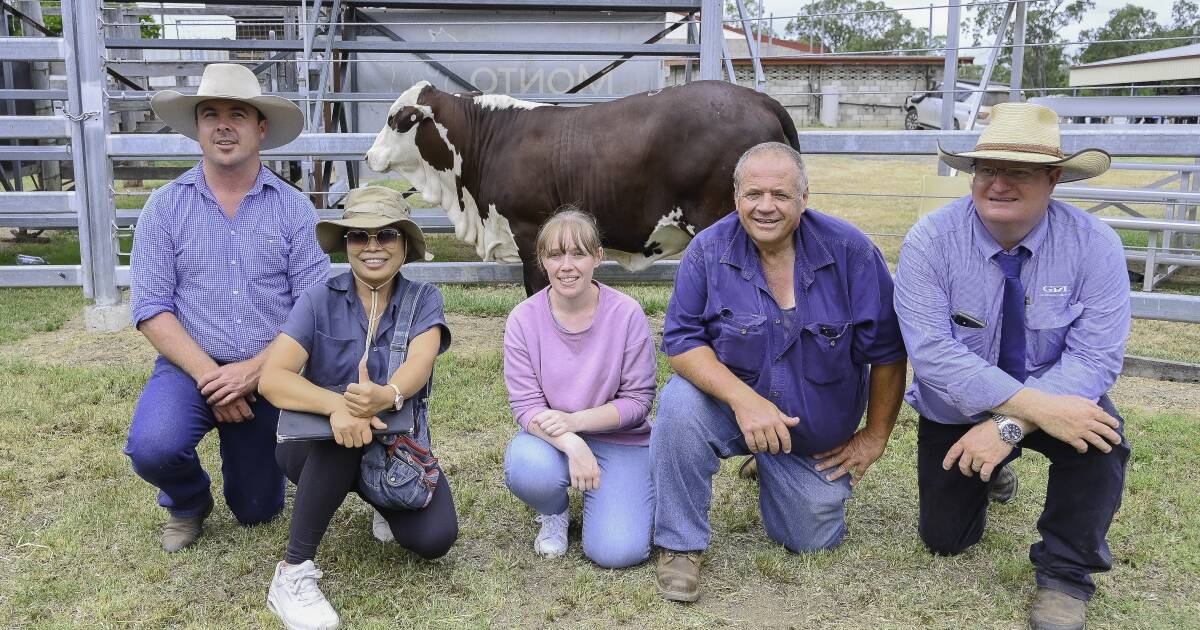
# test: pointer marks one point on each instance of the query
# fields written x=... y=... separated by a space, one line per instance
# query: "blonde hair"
x=570 y=225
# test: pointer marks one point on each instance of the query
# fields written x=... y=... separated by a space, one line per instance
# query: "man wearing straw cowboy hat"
x=1015 y=308
x=220 y=255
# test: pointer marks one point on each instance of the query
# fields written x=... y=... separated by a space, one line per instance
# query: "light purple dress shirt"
x=1077 y=313
x=231 y=282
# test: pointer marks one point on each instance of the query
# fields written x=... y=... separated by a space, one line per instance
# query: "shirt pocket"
x=1047 y=325
x=826 y=351
x=975 y=339
x=741 y=342
x=333 y=362
x=268 y=253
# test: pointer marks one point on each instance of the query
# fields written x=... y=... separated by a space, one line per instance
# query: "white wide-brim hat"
x=1024 y=132
x=234 y=82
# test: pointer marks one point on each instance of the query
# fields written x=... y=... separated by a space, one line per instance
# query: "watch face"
x=1011 y=432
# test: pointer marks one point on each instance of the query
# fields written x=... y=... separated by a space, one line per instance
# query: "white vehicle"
x=924 y=109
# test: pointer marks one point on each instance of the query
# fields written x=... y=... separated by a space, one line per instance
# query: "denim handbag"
x=399 y=471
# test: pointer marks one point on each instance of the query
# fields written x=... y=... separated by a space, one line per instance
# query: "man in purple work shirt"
x=220 y=255
x=1015 y=310
x=776 y=315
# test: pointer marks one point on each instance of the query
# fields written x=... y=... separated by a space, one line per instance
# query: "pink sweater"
x=546 y=367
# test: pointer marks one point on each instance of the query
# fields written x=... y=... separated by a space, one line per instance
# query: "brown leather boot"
x=181 y=532
x=749 y=469
x=1055 y=610
x=679 y=575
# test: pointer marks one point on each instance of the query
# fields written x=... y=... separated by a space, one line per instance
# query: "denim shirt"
x=1077 y=313
x=330 y=323
x=815 y=368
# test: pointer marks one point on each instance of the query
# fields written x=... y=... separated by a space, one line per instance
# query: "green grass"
x=80 y=534
x=29 y=311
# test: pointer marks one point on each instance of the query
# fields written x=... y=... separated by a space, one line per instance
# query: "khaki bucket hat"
x=234 y=82
x=1024 y=132
x=373 y=208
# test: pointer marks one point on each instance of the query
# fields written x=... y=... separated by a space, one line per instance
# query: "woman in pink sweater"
x=580 y=368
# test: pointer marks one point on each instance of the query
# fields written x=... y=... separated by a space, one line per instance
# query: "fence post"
x=950 y=73
x=87 y=108
x=712 y=34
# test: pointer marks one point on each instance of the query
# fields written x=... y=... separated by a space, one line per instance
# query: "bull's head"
x=395 y=146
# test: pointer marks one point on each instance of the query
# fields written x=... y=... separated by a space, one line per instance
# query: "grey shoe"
x=181 y=532
x=1055 y=610
x=1003 y=487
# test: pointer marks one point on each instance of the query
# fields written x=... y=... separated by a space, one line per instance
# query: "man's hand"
x=226 y=383
x=979 y=451
x=581 y=462
x=364 y=398
x=1077 y=421
x=352 y=431
x=764 y=425
x=236 y=411
x=555 y=422
x=854 y=457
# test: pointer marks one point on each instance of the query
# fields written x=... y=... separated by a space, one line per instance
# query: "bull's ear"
x=405 y=119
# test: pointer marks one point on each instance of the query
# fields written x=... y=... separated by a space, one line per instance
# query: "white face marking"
x=672 y=235
x=493 y=238
x=503 y=101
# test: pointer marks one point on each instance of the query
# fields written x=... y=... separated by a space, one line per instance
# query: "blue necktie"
x=1012 y=322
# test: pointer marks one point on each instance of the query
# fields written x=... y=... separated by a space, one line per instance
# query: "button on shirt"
x=1077 y=314
x=811 y=363
x=231 y=282
x=329 y=321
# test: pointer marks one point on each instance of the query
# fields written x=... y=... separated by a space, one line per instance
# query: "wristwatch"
x=399 y=400
x=1010 y=430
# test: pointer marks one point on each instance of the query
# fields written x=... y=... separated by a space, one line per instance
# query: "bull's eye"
x=412 y=118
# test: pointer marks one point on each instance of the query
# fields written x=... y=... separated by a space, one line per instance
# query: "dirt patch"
x=74 y=345
x=475 y=335
x=1156 y=396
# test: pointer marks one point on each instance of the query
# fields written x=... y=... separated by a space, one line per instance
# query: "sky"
x=1095 y=18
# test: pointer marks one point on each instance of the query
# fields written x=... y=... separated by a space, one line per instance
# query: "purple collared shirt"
x=231 y=282
x=816 y=367
x=1076 y=318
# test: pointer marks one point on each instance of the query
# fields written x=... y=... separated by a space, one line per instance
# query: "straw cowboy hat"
x=230 y=81
x=1024 y=132
x=373 y=208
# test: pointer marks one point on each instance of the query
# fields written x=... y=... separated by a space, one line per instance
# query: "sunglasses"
x=387 y=238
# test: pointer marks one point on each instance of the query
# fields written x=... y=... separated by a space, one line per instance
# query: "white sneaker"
x=380 y=528
x=551 y=541
x=295 y=597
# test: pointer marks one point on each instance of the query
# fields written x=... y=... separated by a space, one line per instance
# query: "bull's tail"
x=789 y=125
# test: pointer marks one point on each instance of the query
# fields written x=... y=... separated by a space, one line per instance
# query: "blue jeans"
x=171 y=418
x=692 y=433
x=616 y=516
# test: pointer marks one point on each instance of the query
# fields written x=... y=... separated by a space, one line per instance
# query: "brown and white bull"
x=653 y=168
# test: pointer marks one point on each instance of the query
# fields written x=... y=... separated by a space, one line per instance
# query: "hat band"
x=1020 y=148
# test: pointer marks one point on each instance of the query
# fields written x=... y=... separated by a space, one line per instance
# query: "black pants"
x=1083 y=495
x=324 y=473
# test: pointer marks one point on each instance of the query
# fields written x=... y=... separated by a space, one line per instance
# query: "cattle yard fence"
x=314 y=59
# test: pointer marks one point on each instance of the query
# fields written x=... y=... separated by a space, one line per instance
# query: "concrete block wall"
x=871 y=94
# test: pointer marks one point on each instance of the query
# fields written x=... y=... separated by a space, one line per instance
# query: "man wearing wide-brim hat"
x=220 y=255
x=1015 y=309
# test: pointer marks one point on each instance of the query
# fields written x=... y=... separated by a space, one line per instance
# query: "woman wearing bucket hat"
x=332 y=358
x=1015 y=308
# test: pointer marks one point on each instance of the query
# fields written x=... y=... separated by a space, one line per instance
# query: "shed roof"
x=1170 y=64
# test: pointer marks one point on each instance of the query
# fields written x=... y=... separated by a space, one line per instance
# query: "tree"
x=1045 y=66
x=858 y=25
x=1136 y=23
x=1127 y=23
x=754 y=8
